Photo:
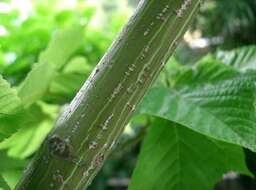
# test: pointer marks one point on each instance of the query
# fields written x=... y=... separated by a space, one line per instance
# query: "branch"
x=84 y=135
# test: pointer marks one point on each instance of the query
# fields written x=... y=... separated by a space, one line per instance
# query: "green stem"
x=83 y=137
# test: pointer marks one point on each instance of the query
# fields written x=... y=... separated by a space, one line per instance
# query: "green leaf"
x=64 y=87
x=216 y=106
x=176 y=158
x=8 y=163
x=62 y=46
x=171 y=67
x=9 y=124
x=27 y=140
x=11 y=111
x=25 y=118
x=208 y=70
x=78 y=65
x=3 y=183
x=243 y=58
x=12 y=177
x=36 y=83
x=9 y=101
x=67 y=83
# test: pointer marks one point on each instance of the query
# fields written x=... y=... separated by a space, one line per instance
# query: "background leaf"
x=28 y=139
x=63 y=44
x=9 y=101
x=36 y=83
x=64 y=87
x=10 y=110
x=176 y=158
x=215 y=102
x=8 y=163
x=3 y=184
x=243 y=58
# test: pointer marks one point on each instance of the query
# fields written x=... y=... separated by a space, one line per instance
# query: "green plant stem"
x=83 y=137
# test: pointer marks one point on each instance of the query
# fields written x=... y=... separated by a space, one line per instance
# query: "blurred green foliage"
x=26 y=38
x=234 y=22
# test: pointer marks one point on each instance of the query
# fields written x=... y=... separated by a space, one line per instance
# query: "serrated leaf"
x=77 y=65
x=243 y=58
x=208 y=70
x=176 y=158
x=210 y=103
x=11 y=113
x=9 y=124
x=36 y=83
x=63 y=44
x=12 y=124
x=9 y=101
x=26 y=141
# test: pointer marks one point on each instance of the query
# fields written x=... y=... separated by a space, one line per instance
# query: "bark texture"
x=86 y=132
